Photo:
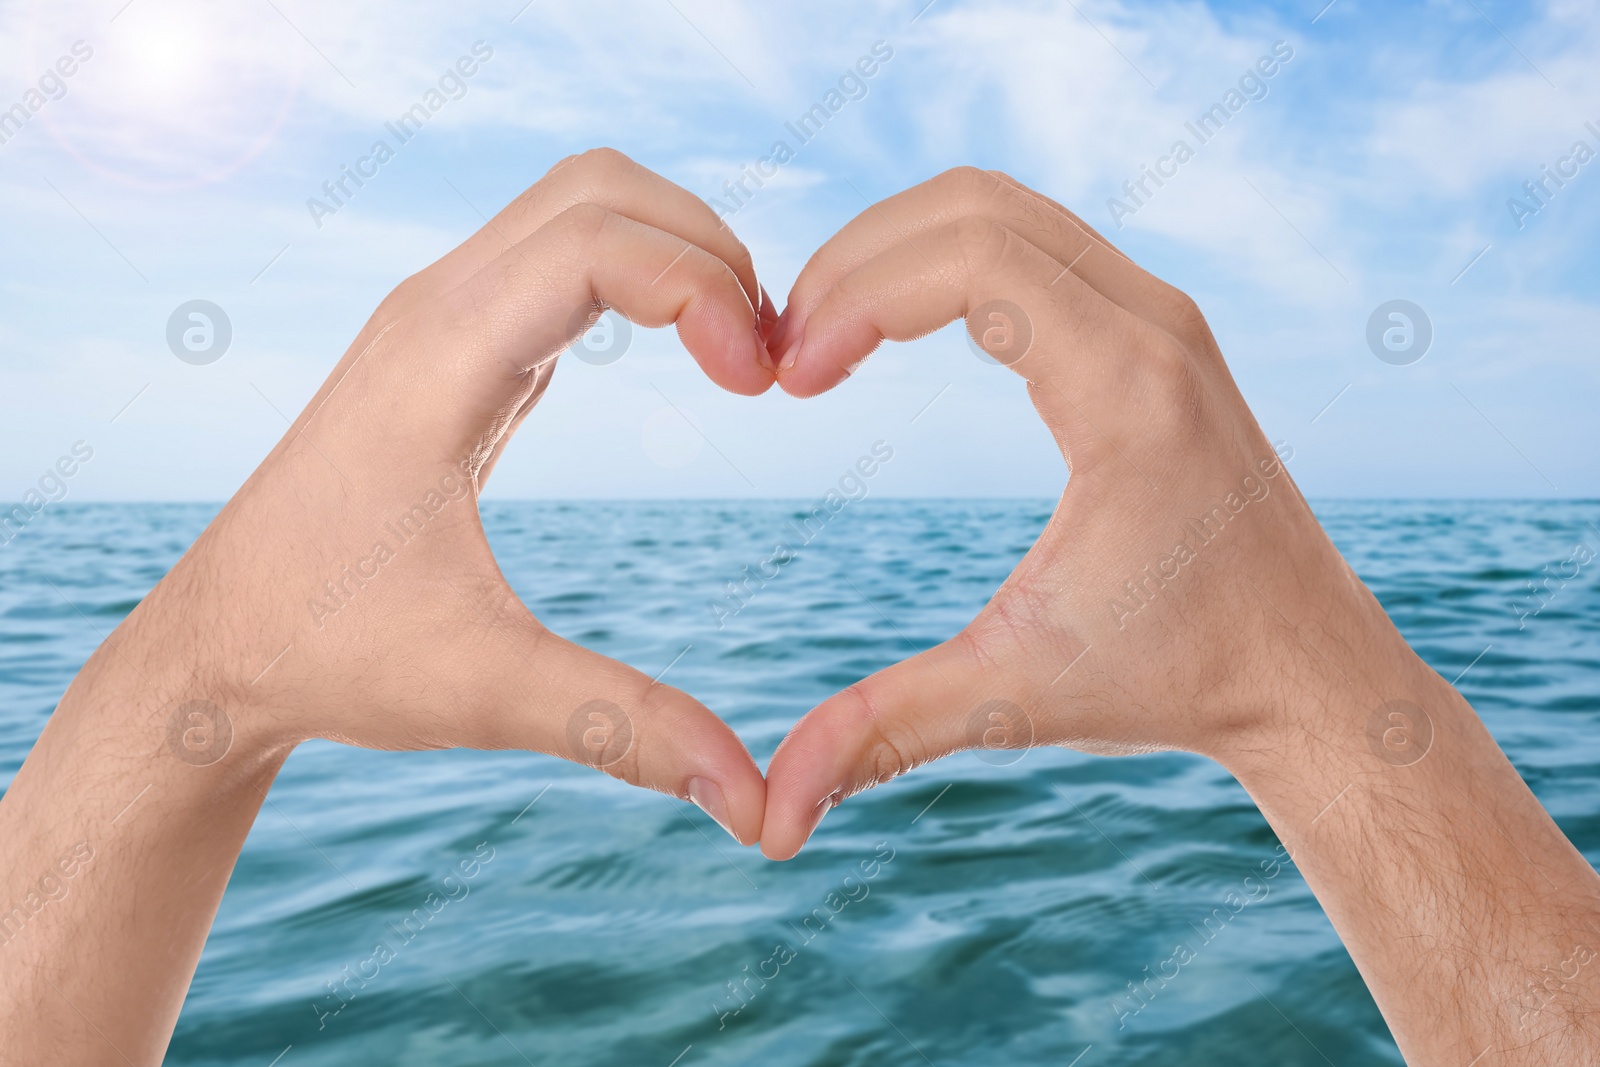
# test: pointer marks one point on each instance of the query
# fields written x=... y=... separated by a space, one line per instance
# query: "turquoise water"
x=999 y=922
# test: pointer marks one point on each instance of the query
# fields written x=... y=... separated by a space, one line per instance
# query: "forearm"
x=1471 y=917
x=121 y=833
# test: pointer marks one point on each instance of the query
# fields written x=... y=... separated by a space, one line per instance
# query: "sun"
x=161 y=60
x=177 y=93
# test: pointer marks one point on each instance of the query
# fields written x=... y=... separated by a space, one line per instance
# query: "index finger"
x=605 y=178
x=966 y=192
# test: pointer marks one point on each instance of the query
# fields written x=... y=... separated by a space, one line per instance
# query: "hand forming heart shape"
x=1182 y=596
x=1178 y=508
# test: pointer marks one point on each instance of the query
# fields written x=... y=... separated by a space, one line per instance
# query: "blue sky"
x=1377 y=164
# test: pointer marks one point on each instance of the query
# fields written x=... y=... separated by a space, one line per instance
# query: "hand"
x=1184 y=596
x=374 y=552
x=1153 y=611
x=348 y=592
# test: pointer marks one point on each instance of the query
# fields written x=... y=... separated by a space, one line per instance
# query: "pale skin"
x=1452 y=888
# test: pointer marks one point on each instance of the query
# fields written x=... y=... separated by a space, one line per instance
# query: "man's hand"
x=1159 y=607
x=1184 y=596
x=358 y=546
x=347 y=592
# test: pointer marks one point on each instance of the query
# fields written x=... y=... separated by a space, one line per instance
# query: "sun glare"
x=163 y=62
x=174 y=93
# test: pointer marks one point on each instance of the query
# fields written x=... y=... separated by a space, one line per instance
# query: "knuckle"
x=604 y=735
x=586 y=218
x=1169 y=372
x=577 y=175
x=980 y=242
x=1162 y=360
x=1188 y=321
x=403 y=298
x=967 y=183
x=889 y=750
x=604 y=164
x=1004 y=623
x=1003 y=189
x=575 y=228
x=646 y=709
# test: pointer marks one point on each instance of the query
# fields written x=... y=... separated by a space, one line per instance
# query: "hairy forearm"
x=121 y=831
x=1475 y=923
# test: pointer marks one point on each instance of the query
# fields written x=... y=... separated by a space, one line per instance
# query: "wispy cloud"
x=1377 y=165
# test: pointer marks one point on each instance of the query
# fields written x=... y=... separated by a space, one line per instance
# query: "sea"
x=1008 y=909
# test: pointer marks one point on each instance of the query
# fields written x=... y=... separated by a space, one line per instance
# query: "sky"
x=1383 y=160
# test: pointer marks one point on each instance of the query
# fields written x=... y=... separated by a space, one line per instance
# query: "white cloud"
x=1389 y=142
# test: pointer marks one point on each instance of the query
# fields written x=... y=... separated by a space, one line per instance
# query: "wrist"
x=1333 y=707
x=1316 y=663
x=1391 y=721
x=173 y=683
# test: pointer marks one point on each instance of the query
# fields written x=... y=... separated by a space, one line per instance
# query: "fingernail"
x=708 y=797
x=780 y=329
x=753 y=348
x=816 y=820
x=763 y=355
x=792 y=352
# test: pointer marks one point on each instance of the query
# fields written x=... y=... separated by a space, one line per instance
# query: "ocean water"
x=1000 y=923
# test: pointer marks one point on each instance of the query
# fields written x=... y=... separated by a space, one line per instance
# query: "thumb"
x=914 y=712
x=538 y=691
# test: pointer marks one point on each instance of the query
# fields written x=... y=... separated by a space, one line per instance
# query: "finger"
x=523 y=308
x=1066 y=333
x=1089 y=362
x=1113 y=273
x=531 y=689
x=1058 y=206
x=909 y=714
x=967 y=192
x=606 y=178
